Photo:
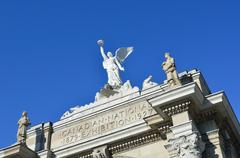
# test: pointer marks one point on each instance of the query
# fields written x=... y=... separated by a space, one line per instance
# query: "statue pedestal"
x=18 y=150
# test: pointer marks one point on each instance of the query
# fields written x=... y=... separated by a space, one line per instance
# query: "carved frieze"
x=103 y=123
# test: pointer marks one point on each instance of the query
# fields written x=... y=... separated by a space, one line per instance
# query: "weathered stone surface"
x=23 y=123
x=187 y=146
x=158 y=121
x=18 y=151
x=169 y=67
x=102 y=123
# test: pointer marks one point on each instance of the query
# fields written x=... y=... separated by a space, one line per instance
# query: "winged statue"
x=113 y=64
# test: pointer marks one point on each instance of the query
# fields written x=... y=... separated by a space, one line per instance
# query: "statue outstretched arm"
x=101 y=43
x=103 y=54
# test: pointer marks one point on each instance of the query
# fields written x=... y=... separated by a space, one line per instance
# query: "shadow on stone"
x=40 y=138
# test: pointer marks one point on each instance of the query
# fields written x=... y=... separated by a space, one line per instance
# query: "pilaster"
x=185 y=140
x=214 y=145
x=40 y=139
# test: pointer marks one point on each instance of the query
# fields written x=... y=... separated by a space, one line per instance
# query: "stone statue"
x=170 y=69
x=23 y=123
x=147 y=83
x=112 y=64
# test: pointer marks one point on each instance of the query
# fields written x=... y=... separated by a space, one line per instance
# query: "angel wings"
x=122 y=53
x=113 y=63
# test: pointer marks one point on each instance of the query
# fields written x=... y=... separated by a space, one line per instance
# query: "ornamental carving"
x=190 y=146
x=130 y=144
x=177 y=108
x=101 y=152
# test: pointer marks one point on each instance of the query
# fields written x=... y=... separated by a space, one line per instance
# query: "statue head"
x=24 y=113
x=167 y=55
x=109 y=54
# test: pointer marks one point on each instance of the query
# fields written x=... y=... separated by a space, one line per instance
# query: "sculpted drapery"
x=112 y=64
x=23 y=123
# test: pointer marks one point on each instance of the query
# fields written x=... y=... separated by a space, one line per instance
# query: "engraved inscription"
x=106 y=122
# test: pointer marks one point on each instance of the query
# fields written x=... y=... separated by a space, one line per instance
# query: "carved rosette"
x=190 y=146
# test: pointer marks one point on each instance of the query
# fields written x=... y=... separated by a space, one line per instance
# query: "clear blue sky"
x=49 y=60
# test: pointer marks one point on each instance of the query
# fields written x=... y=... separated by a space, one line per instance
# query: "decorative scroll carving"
x=101 y=152
x=190 y=146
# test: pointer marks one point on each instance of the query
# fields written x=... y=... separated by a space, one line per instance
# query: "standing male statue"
x=112 y=64
x=23 y=123
x=170 y=69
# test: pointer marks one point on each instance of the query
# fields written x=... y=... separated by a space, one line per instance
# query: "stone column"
x=185 y=140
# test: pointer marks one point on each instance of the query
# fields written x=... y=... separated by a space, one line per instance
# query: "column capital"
x=186 y=146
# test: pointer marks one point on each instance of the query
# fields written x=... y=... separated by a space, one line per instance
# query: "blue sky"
x=49 y=60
